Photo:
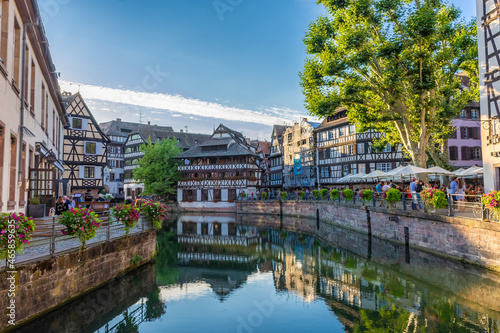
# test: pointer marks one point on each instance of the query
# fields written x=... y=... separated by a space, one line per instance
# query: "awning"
x=49 y=156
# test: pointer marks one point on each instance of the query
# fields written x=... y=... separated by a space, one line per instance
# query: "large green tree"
x=393 y=64
x=158 y=167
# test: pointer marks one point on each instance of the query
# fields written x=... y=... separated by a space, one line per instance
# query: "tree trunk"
x=420 y=160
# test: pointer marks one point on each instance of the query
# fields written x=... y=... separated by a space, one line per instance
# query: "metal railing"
x=468 y=206
x=48 y=241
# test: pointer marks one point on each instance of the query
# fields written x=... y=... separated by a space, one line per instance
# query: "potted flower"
x=334 y=194
x=80 y=222
x=315 y=194
x=128 y=215
x=392 y=196
x=366 y=196
x=491 y=201
x=302 y=194
x=108 y=197
x=263 y=195
x=155 y=211
x=15 y=231
x=347 y=194
x=283 y=195
x=434 y=198
x=323 y=193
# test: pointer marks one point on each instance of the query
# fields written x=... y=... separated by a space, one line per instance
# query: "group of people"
x=65 y=203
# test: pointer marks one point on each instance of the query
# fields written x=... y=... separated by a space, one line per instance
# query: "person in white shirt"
x=386 y=187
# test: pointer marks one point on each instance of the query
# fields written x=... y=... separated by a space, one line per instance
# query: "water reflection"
x=245 y=274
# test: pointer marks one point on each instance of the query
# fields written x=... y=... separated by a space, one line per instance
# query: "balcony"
x=222 y=167
x=208 y=183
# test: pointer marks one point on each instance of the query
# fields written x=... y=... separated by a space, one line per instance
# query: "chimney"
x=118 y=119
x=149 y=123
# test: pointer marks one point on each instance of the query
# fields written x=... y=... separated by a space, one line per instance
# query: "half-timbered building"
x=276 y=158
x=488 y=20
x=298 y=155
x=217 y=171
x=31 y=112
x=85 y=149
x=117 y=131
x=156 y=133
x=342 y=151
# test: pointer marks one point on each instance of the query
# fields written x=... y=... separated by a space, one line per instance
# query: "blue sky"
x=239 y=57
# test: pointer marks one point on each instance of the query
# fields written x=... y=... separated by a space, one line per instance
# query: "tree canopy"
x=158 y=167
x=394 y=65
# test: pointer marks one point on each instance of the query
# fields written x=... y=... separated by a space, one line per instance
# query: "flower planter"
x=36 y=211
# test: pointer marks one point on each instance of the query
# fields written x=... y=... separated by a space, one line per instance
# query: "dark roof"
x=186 y=140
x=279 y=130
x=332 y=123
x=216 y=142
x=237 y=145
x=234 y=149
x=68 y=99
x=118 y=128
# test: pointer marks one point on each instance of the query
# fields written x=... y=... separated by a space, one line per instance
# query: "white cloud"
x=180 y=105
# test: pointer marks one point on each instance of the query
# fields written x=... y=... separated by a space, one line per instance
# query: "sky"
x=194 y=63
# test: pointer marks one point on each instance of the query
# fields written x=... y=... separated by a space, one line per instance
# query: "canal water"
x=250 y=274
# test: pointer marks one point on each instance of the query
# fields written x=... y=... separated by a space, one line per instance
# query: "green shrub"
x=135 y=259
x=439 y=200
x=323 y=193
x=284 y=195
x=264 y=195
x=347 y=194
x=34 y=201
x=334 y=194
x=315 y=194
x=302 y=194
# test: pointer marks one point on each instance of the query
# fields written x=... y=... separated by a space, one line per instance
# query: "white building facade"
x=488 y=19
x=32 y=116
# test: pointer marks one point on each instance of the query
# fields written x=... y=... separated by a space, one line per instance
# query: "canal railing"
x=470 y=206
x=48 y=241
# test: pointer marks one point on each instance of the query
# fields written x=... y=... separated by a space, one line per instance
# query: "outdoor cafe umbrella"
x=375 y=174
x=458 y=171
x=473 y=172
x=358 y=176
x=411 y=170
x=440 y=171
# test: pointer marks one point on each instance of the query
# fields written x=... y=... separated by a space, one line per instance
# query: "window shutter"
x=468 y=114
x=453 y=155
x=464 y=154
x=462 y=132
x=85 y=124
x=81 y=170
x=476 y=132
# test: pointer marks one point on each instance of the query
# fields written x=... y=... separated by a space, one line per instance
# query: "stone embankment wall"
x=44 y=285
x=464 y=239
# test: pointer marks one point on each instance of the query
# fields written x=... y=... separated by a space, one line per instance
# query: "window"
x=290 y=137
x=453 y=153
x=463 y=114
x=77 y=123
x=88 y=172
x=384 y=167
x=4 y=31
x=352 y=129
x=361 y=148
x=388 y=148
x=362 y=168
x=345 y=170
x=349 y=150
x=112 y=163
x=325 y=172
x=17 y=53
x=43 y=107
x=111 y=149
x=354 y=169
x=330 y=135
x=474 y=114
x=32 y=91
x=90 y=148
x=112 y=177
x=476 y=153
x=466 y=154
x=341 y=132
x=134 y=137
x=464 y=133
